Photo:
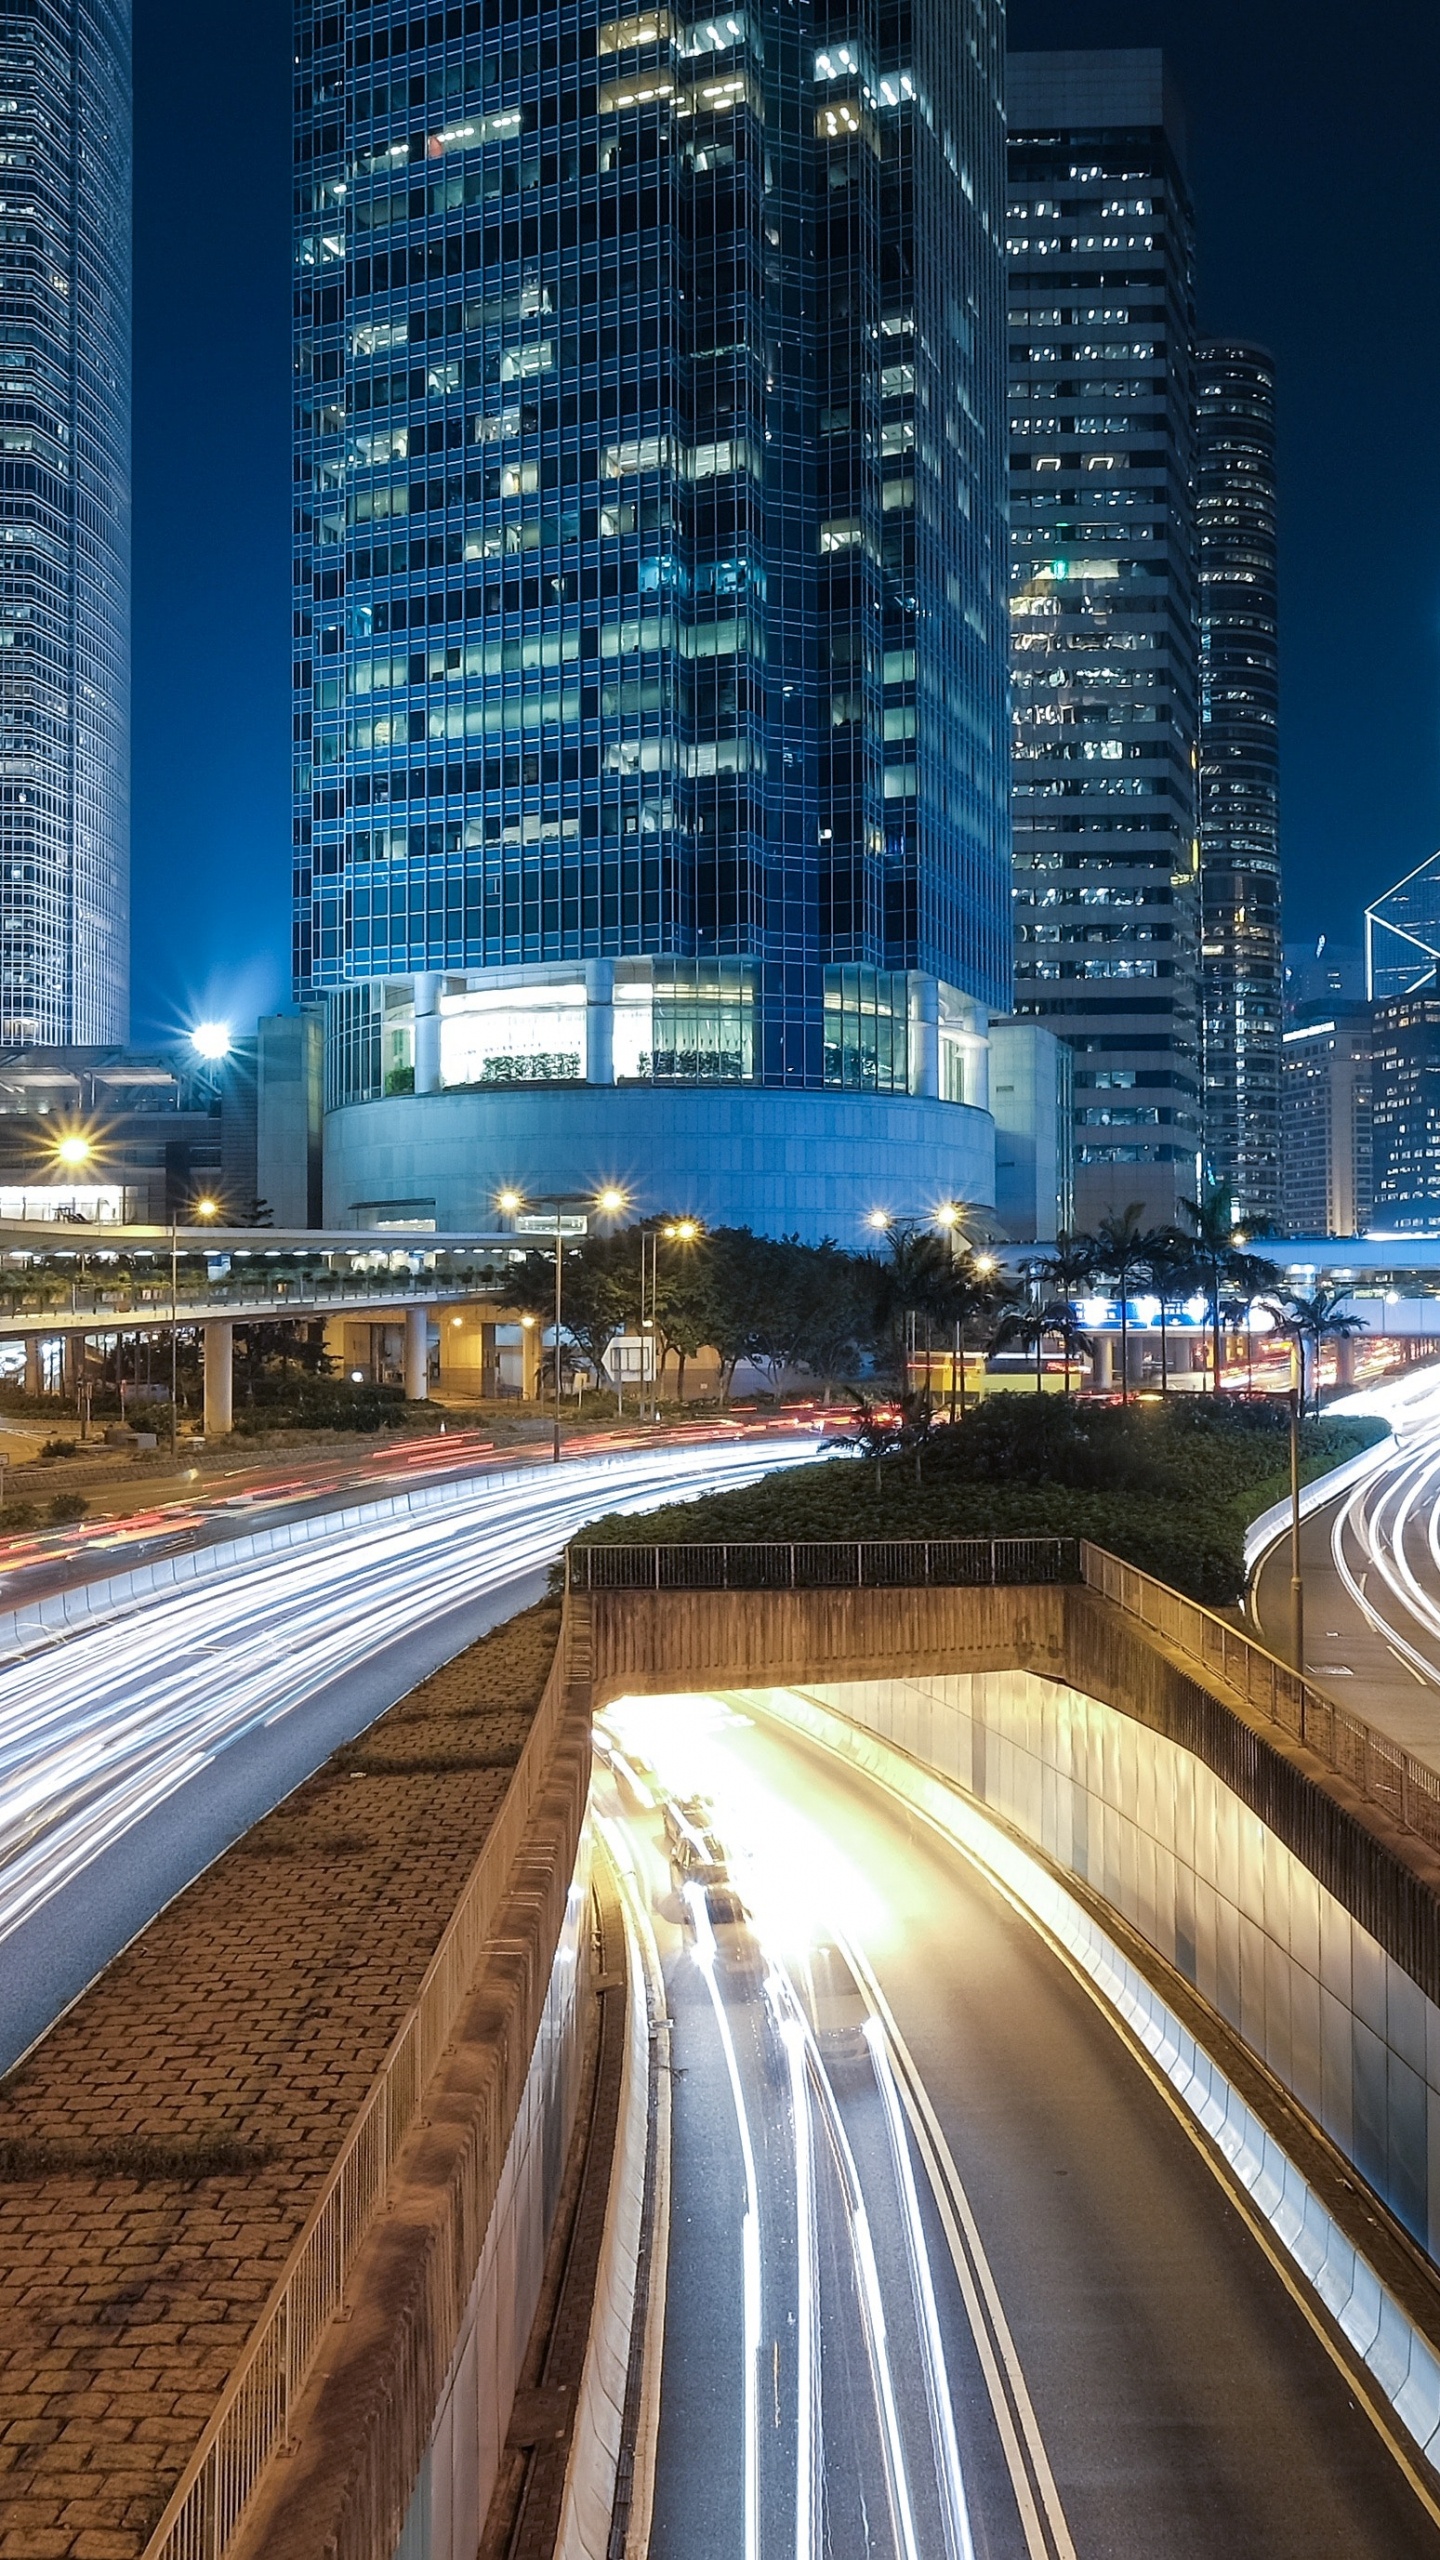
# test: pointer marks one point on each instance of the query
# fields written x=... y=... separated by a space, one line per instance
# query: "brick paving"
x=161 y=2149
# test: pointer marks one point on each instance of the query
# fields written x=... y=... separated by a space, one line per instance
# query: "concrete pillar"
x=1135 y=1345
x=72 y=1347
x=1102 y=1378
x=427 y=1032
x=417 y=1354
x=1345 y=1349
x=219 y=1377
x=599 y=1021
x=924 y=1034
x=34 y=1373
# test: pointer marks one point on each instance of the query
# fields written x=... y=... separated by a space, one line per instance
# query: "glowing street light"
x=682 y=1231
x=207 y=1208
x=212 y=1041
x=611 y=1202
x=509 y=1203
x=880 y=1220
x=73 y=1150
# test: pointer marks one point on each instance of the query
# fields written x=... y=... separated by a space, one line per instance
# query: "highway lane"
x=944 y=2276
x=132 y=1752
x=1371 y=1567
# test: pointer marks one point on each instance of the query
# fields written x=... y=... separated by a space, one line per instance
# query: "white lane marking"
x=955 y=2509
x=972 y=2267
x=807 y=2328
x=704 y=1952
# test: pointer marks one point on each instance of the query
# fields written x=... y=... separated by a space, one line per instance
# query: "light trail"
x=107 y=1724
x=807 y=2327
x=750 y=2278
x=954 y=2504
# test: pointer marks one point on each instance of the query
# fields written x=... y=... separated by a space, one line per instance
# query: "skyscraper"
x=1106 y=711
x=1242 y=964
x=651 y=814
x=65 y=521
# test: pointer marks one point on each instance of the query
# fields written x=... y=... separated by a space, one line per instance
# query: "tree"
x=1120 y=1253
x=974 y=1289
x=599 y=1297
x=1048 y=1320
x=1310 y=1322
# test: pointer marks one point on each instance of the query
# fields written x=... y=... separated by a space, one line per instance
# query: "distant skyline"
x=1309 y=157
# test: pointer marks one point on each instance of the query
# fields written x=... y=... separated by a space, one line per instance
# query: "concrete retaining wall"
x=1310 y=1925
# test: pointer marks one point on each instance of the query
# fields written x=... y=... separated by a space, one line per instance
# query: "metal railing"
x=253 y=2417
x=1380 y=1770
x=828 y=1564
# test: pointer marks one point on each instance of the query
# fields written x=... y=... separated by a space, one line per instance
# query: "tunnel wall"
x=1309 y=1923
x=1200 y=1878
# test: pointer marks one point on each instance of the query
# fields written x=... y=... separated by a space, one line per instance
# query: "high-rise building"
x=651 y=816
x=1405 y=1111
x=65 y=522
x=1402 y=935
x=1103 y=602
x=1326 y=1156
x=1242 y=967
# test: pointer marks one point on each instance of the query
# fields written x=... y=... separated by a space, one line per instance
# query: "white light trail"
x=955 y=2507
x=807 y=2327
x=107 y=1724
x=749 y=2230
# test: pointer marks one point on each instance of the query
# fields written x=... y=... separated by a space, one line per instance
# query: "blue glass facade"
x=65 y=166
x=650 y=612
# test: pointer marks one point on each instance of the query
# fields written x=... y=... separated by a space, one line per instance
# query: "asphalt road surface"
x=135 y=1751
x=945 y=2276
x=1370 y=1561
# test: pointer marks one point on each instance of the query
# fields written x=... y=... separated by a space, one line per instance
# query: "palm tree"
x=1325 y=1317
x=1166 y=1260
x=973 y=1288
x=1036 y=1325
x=1120 y=1253
x=1212 y=1242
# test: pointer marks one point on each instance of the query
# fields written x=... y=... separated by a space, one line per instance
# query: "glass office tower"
x=1104 y=612
x=1242 y=963
x=651 y=813
x=64 y=521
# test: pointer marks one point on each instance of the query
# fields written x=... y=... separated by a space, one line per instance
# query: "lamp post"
x=610 y=1202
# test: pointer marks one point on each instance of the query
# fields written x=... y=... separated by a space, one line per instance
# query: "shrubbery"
x=1170 y=1487
x=307 y=1403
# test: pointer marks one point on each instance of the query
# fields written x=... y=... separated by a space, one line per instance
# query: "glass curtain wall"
x=65 y=77
x=650 y=560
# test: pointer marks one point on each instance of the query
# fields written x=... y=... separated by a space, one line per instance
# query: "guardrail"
x=1379 y=1769
x=826 y=1564
x=253 y=2418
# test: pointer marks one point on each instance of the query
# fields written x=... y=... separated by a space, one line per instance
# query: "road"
x=945 y=2276
x=1371 y=1567
x=132 y=1753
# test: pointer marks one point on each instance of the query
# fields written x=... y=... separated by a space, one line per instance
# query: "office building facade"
x=651 y=814
x=1326 y=1154
x=1241 y=952
x=65 y=522
x=1405 y=1112
x=1104 y=621
x=1402 y=935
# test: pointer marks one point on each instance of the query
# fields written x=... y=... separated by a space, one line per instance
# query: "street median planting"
x=1170 y=1488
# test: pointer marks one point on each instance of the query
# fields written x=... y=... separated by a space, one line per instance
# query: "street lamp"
x=879 y=1220
x=610 y=1202
x=675 y=1231
x=73 y=1151
x=211 y=1041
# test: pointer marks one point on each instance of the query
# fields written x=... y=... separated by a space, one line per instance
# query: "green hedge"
x=1171 y=1491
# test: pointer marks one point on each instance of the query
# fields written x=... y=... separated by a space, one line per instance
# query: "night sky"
x=1312 y=157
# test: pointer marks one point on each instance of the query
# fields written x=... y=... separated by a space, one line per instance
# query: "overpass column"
x=1345 y=1360
x=1102 y=1376
x=34 y=1373
x=219 y=1377
x=73 y=1354
x=417 y=1354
